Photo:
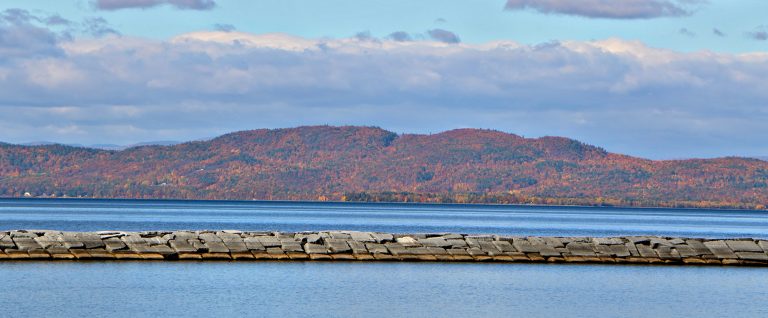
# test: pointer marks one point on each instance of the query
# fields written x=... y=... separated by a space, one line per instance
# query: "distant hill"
x=372 y=164
x=105 y=146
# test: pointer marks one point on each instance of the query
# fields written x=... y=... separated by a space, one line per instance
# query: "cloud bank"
x=22 y=28
x=616 y=93
x=444 y=36
x=145 y=4
x=610 y=9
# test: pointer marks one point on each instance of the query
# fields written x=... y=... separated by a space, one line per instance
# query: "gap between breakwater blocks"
x=374 y=246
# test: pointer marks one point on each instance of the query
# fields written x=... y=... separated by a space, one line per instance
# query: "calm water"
x=185 y=289
x=297 y=289
x=88 y=215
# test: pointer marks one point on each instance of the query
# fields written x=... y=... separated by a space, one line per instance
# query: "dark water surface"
x=307 y=289
x=139 y=215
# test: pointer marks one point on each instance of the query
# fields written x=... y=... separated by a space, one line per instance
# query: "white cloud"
x=620 y=94
x=52 y=72
x=611 y=9
x=146 y=4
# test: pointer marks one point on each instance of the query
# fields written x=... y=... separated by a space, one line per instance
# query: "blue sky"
x=651 y=78
x=474 y=21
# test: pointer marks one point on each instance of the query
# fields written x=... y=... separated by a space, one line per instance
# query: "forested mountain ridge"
x=372 y=164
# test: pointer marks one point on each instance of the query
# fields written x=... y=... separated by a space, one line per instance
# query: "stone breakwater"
x=371 y=246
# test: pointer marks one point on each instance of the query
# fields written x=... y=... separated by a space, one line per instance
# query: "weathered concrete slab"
x=26 y=243
x=357 y=247
x=382 y=237
x=667 y=253
x=645 y=251
x=363 y=237
x=524 y=246
x=676 y=241
x=619 y=250
x=216 y=247
x=435 y=242
x=555 y=242
x=112 y=244
x=685 y=251
x=22 y=234
x=632 y=248
x=744 y=246
x=720 y=249
x=608 y=241
x=376 y=248
x=338 y=246
x=407 y=241
x=580 y=249
x=457 y=243
x=698 y=247
x=474 y=251
x=229 y=236
x=503 y=246
x=268 y=241
x=752 y=256
x=253 y=244
x=291 y=246
x=415 y=251
x=452 y=236
x=6 y=241
x=90 y=240
x=310 y=248
x=180 y=246
x=310 y=238
x=489 y=248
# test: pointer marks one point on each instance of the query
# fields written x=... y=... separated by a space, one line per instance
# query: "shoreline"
x=232 y=245
x=628 y=207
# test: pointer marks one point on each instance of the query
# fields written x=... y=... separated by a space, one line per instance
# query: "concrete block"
x=720 y=249
x=580 y=249
x=743 y=246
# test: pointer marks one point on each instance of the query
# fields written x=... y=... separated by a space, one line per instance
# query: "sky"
x=660 y=79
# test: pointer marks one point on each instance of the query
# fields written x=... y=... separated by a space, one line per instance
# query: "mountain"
x=153 y=143
x=42 y=143
x=105 y=146
x=372 y=164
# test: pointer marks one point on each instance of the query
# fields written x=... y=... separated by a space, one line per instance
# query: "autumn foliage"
x=372 y=164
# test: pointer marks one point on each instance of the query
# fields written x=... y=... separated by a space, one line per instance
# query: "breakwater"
x=373 y=246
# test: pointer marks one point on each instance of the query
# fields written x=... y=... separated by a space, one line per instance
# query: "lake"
x=139 y=215
x=339 y=289
x=296 y=289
